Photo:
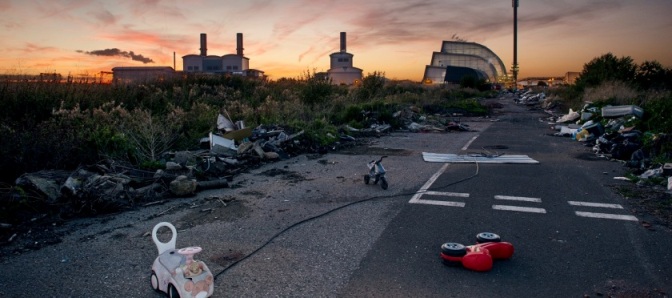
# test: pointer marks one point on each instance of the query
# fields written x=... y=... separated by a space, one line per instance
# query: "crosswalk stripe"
x=606 y=216
x=589 y=204
x=518 y=208
x=523 y=199
x=439 y=203
x=447 y=194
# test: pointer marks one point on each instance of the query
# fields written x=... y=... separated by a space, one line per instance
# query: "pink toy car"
x=176 y=273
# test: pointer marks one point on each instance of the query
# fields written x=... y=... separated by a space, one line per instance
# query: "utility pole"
x=514 y=69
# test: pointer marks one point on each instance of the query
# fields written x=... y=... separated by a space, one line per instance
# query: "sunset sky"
x=286 y=38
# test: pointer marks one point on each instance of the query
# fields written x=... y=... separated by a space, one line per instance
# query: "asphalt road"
x=309 y=227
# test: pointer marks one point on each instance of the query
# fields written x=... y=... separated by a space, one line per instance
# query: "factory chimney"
x=343 y=48
x=239 y=48
x=204 y=45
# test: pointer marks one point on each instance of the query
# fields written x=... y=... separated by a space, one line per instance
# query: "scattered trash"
x=620 y=111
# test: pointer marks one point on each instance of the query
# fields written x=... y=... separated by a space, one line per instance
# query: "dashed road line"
x=440 y=203
x=447 y=194
x=518 y=208
x=606 y=216
x=523 y=199
x=466 y=146
x=601 y=215
x=589 y=204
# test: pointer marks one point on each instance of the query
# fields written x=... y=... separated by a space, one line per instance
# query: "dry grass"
x=618 y=93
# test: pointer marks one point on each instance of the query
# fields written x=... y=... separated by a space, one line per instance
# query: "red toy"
x=477 y=257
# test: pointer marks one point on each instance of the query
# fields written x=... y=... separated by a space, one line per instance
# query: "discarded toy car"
x=176 y=273
x=377 y=172
x=477 y=257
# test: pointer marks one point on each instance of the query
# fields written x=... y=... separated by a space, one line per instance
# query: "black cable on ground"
x=346 y=205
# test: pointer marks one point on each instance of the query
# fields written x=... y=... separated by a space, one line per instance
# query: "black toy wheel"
x=453 y=249
x=155 y=281
x=383 y=183
x=451 y=263
x=172 y=292
x=367 y=178
x=487 y=237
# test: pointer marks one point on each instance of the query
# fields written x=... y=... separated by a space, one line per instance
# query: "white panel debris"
x=477 y=158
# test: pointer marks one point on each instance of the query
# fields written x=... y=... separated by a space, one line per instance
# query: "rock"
x=183 y=186
x=46 y=186
x=271 y=155
x=173 y=166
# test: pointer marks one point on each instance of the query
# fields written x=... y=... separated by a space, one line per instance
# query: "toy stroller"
x=377 y=172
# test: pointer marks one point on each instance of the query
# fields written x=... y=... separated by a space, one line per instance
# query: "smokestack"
x=239 y=48
x=204 y=45
x=174 y=67
x=343 y=48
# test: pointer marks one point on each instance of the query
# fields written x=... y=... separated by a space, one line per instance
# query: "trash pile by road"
x=110 y=186
x=611 y=131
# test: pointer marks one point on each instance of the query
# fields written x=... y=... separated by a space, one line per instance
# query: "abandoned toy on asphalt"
x=377 y=172
x=477 y=257
x=176 y=273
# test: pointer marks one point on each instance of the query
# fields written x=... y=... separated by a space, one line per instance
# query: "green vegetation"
x=49 y=125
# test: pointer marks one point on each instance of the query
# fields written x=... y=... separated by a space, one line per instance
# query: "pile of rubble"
x=111 y=186
x=530 y=98
x=612 y=132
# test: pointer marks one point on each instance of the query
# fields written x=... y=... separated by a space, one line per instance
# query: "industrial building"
x=341 y=71
x=236 y=64
x=458 y=59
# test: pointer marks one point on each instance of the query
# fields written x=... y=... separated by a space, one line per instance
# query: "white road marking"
x=424 y=191
x=524 y=199
x=518 y=208
x=606 y=216
x=469 y=143
x=589 y=204
x=447 y=194
x=428 y=184
x=440 y=203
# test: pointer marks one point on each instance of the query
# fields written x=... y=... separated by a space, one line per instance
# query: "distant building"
x=570 y=77
x=541 y=81
x=341 y=71
x=235 y=64
x=458 y=59
x=136 y=74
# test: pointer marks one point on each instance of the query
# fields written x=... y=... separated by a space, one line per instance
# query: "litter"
x=619 y=111
x=477 y=158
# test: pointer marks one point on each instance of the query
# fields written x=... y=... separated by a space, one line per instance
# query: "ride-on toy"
x=176 y=273
x=377 y=172
x=477 y=257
